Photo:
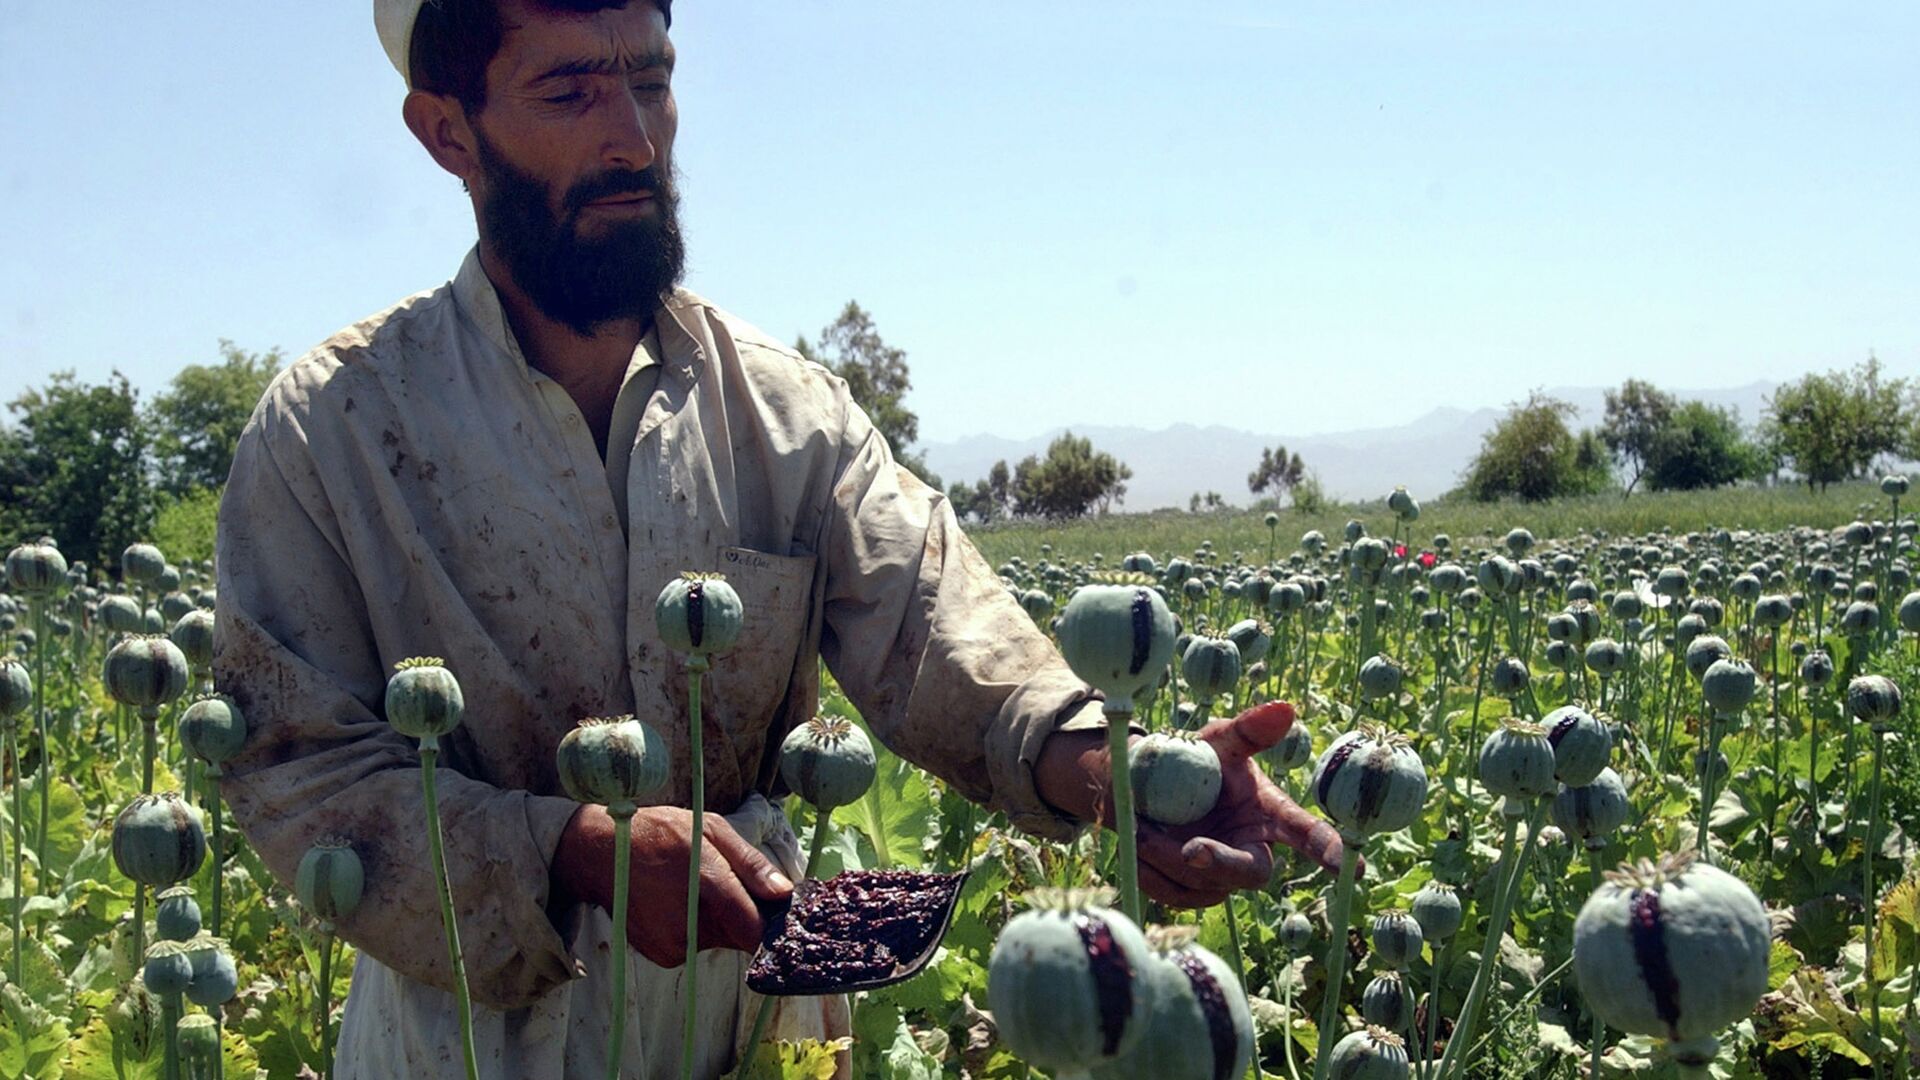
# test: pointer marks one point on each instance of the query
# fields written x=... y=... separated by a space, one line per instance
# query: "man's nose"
x=628 y=141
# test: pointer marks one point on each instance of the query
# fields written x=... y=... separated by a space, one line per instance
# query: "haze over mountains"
x=1170 y=464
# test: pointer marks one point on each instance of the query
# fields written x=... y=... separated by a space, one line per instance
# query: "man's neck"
x=590 y=367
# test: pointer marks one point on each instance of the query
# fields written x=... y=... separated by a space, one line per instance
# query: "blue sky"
x=1290 y=218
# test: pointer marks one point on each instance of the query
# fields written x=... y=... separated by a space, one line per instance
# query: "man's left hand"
x=1198 y=865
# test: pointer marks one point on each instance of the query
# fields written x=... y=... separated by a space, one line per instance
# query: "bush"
x=1701 y=446
x=1532 y=455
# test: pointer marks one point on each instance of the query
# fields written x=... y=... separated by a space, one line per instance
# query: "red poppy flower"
x=1427 y=559
x=1399 y=551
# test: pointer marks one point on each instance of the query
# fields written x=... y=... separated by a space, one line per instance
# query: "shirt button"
x=569 y=419
x=607 y=521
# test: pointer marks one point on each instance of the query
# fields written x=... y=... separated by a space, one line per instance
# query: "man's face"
x=575 y=184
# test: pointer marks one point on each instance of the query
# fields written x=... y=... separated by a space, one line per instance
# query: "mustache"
x=649 y=180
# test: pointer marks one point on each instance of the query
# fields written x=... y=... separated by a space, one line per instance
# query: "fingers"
x=1251 y=732
x=1167 y=891
x=728 y=917
x=1313 y=837
x=1203 y=863
x=755 y=871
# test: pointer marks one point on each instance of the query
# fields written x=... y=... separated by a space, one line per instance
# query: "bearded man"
x=503 y=472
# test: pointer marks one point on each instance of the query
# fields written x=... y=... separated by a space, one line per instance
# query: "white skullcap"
x=394 y=20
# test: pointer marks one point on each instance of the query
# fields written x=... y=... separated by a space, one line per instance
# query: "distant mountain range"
x=1171 y=464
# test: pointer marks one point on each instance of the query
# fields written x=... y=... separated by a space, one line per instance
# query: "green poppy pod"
x=177 y=915
x=213 y=730
x=1194 y=588
x=1718 y=761
x=1677 y=950
x=1561 y=627
x=1296 y=933
x=1176 y=777
x=1369 y=781
x=1671 y=582
x=1435 y=621
x=1583 y=591
x=1497 y=575
x=330 y=880
x=145 y=671
x=168 y=581
x=1581 y=744
x=199 y=1038
x=1068 y=982
x=1710 y=610
x=36 y=568
x=1354 y=530
x=1745 y=588
x=1371 y=553
x=167 y=970
x=699 y=614
x=1313 y=541
x=1294 y=749
x=1728 y=686
x=1287 y=598
x=16 y=689
x=1386 y=1002
x=1140 y=563
x=1038 y=604
x=1606 y=658
x=1447 y=578
x=1772 y=611
x=1594 y=810
x=215 y=978
x=1894 y=485
x=1469 y=598
x=1626 y=604
x=1519 y=541
x=1199 y=1026
x=1372 y=1053
x=1909 y=612
x=174 y=606
x=1686 y=629
x=612 y=761
x=1118 y=638
x=1858 y=533
x=1397 y=939
x=120 y=614
x=1177 y=572
x=193 y=634
x=1860 y=619
x=158 y=840
x=1252 y=638
x=1586 y=620
x=1380 y=677
x=828 y=761
x=1211 y=666
x=1561 y=656
x=423 y=700
x=142 y=564
x=1516 y=763
x=1509 y=677
x=1876 y=700
x=1703 y=652
x=1436 y=907
x=1402 y=504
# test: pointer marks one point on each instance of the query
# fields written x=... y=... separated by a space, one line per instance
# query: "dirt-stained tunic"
x=411 y=487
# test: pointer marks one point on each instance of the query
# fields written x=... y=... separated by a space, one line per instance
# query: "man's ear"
x=440 y=123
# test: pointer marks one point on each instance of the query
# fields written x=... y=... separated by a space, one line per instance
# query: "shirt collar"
x=475 y=294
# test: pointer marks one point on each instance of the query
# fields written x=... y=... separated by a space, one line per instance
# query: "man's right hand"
x=733 y=873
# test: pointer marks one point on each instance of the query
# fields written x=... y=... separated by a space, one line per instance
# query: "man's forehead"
x=538 y=41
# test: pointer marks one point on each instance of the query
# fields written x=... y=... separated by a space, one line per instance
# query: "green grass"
x=1172 y=532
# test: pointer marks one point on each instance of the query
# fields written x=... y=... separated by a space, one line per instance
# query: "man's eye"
x=563 y=99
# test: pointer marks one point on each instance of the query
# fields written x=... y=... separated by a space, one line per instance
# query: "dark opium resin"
x=857 y=930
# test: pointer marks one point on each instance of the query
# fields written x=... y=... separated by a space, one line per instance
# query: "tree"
x=1073 y=480
x=197 y=423
x=1636 y=415
x=1277 y=470
x=1833 y=426
x=1530 y=454
x=1212 y=502
x=877 y=377
x=985 y=500
x=1701 y=446
x=73 y=466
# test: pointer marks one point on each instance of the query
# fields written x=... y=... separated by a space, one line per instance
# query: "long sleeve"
x=947 y=669
x=296 y=649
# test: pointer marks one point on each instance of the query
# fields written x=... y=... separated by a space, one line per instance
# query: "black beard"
x=582 y=284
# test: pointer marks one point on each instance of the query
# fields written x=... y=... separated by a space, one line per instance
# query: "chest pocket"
x=748 y=683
